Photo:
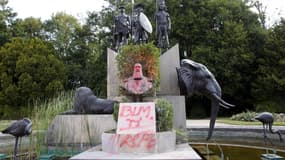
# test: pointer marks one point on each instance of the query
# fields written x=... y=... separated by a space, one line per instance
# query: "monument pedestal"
x=139 y=143
x=182 y=151
x=78 y=129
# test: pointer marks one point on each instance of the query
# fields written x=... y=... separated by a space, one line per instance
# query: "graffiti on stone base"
x=136 y=118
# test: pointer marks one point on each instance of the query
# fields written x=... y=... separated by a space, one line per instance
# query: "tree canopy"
x=39 y=58
x=30 y=70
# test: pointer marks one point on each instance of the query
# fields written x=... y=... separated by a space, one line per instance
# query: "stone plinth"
x=139 y=143
x=182 y=151
x=168 y=75
x=113 y=82
x=78 y=129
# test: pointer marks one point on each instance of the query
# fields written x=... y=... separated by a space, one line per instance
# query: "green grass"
x=4 y=124
x=235 y=122
x=43 y=114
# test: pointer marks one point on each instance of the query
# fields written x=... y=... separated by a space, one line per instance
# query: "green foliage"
x=164 y=115
x=116 y=111
x=269 y=85
x=45 y=111
x=246 y=58
x=29 y=71
x=79 y=49
x=42 y=115
x=245 y=116
x=248 y=116
x=147 y=55
x=6 y=19
x=27 y=28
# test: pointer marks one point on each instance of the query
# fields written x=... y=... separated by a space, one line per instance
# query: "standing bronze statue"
x=142 y=25
x=163 y=25
x=122 y=28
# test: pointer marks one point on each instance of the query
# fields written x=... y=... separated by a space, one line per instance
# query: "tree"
x=59 y=30
x=29 y=70
x=224 y=35
x=71 y=44
x=100 y=24
x=27 y=28
x=261 y=10
x=6 y=18
x=269 y=86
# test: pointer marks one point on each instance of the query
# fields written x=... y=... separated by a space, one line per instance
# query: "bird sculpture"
x=18 y=129
x=267 y=120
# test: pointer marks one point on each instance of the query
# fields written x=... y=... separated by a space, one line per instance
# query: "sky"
x=45 y=8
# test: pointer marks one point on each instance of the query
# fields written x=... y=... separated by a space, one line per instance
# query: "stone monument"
x=136 y=134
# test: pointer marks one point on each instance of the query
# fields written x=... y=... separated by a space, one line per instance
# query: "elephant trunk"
x=278 y=132
x=214 y=112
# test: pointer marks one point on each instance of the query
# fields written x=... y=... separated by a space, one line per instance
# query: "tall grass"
x=42 y=116
x=44 y=112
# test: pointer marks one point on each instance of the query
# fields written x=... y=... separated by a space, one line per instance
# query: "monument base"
x=139 y=143
x=182 y=151
x=78 y=129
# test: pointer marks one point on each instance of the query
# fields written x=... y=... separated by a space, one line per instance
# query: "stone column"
x=113 y=82
x=169 y=88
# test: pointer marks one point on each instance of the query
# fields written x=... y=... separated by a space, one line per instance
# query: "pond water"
x=237 y=152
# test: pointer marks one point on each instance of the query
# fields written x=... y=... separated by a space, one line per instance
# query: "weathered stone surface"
x=182 y=151
x=113 y=82
x=78 y=129
x=139 y=143
x=168 y=75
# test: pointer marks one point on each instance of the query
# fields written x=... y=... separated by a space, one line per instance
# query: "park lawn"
x=235 y=122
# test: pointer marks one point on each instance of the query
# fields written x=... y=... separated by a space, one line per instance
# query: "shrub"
x=249 y=116
x=29 y=70
x=164 y=115
x=116 y=111
x=244 y=116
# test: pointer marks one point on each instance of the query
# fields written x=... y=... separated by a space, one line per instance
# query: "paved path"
x=204 y=123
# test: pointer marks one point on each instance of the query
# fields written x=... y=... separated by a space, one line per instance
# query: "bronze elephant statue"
x=195 y=78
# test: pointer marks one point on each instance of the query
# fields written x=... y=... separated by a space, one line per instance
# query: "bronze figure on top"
x=163 y=25
x=122 y=28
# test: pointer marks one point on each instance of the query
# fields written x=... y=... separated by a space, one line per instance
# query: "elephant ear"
x=181 y=83
x=185 y=80
x=191 y=64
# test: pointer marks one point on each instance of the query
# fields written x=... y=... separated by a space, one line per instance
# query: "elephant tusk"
x=222 y=102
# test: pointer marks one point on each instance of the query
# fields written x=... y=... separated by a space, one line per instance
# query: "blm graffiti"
x=135 y=118
x=136 y=127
